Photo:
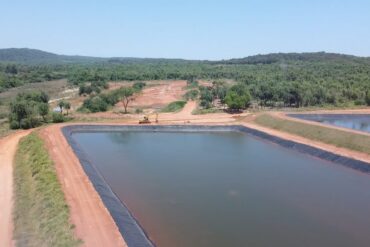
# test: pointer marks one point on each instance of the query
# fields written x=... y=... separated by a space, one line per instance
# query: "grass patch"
x=174 y=106
x=41 y=215
x=200 y=111
x=335 y=137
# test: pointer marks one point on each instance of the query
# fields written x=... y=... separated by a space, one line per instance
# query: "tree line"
x=293 y=80
x=31 y=109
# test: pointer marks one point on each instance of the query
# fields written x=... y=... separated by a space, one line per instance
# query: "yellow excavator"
x=146 y=120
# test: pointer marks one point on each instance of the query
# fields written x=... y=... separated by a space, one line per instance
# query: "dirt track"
x=8 y=147
x=94 y=224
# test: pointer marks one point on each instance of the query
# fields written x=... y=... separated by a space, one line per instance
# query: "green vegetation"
x=43 y=110
x=191 y=83
x=367 y=99
x=206 y=97
x=92 y=87
x=41 y=215
x=237 y=97
x=138 y=86
x=174 y=106
x=57 y=117
x=199 y=111
x=104 y=101
x=29 y=110
x=274 y=80
x=125 y=96
x=191 y=94
x=26 y=108
x=335 y=137
x=96 y=104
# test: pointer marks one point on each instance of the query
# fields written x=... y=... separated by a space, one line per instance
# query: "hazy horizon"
x=180 y=58
x=207 y=30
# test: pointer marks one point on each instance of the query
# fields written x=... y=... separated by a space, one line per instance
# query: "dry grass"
x=328 y=135
x=41 y=215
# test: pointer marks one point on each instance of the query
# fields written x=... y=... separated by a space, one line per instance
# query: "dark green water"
x=231 y=189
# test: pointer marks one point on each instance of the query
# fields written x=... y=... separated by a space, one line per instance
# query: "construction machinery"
x=146 y=120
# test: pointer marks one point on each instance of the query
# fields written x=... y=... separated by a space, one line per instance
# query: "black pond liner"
x=129 y=227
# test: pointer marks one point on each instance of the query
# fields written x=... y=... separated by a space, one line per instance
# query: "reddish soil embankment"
x=94 y=224
x=8 y=147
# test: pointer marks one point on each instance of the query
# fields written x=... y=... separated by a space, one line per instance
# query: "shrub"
x=14 y=125
x=205 y=104
x=57 y=117
x=174 y=106
x=192 y=83
x=95 y=104
x=191 y=95
x=138 y=86
x=138 y=110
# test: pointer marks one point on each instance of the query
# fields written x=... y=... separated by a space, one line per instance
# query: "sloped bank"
x=130 y=229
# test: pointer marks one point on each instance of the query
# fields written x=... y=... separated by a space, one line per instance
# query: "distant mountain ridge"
x=34 y=56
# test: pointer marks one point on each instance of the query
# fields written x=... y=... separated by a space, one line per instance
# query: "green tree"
x=367 y=98
x=219 y=90
x=11 y=69
x=43 y=110
x=67 y=106
x=125 y=95
x=206 y=97
x=19 y=111
x=61 y=105
x=237 y=97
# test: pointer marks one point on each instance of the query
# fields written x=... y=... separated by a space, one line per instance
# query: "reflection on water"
x=230 y=189
x=353 y=121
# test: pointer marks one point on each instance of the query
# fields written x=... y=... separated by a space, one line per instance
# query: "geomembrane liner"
x=128 y=226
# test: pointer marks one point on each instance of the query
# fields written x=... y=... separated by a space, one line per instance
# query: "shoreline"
x=119 y=212
x=93 y=222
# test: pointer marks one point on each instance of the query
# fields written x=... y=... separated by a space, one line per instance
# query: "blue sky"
x=192 y=29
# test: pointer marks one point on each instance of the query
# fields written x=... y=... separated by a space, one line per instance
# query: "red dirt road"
x=8 y=147
x=94 y=224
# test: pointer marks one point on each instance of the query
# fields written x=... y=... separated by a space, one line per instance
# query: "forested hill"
x=296 y=57
x=33 y=56
x=37 y=57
